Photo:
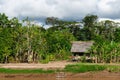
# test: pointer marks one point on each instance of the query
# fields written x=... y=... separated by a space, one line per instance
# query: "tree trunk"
x=6 y=59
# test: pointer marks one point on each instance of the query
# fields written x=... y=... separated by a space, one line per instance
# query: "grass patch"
x=79 y=68
x=84 y=68
x=17 y=71
x=74 y=68
x=112 y=68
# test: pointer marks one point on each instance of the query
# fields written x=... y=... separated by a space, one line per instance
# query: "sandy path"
x=51 y=65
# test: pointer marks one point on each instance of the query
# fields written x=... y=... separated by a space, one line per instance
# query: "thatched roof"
x=81 y=46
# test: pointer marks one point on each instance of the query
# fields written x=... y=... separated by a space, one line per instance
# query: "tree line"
x=27 y=42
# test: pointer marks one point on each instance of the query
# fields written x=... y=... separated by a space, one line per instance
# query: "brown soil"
x=103 y=75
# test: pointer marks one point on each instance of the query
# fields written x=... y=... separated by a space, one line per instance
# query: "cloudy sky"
x=63 y=9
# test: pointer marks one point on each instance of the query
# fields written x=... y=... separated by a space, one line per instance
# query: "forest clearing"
x=59 y=40
x=32 y=52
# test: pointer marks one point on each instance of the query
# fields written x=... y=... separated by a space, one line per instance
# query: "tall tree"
x=89 y=22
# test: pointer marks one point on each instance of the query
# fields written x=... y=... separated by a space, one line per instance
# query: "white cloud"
x=114 y=20
x=72 y=9
x=109 y=8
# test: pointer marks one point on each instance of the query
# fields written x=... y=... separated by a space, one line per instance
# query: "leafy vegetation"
x=28 y=42
x=78 y=68
x=26 y=71
x=84 y=68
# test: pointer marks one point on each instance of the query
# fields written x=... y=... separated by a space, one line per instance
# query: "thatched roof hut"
x=81 y=46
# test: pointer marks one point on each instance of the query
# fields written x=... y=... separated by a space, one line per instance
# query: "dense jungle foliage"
x=23 y=41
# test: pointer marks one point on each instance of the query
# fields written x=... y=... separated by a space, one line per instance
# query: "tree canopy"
x=33 y=43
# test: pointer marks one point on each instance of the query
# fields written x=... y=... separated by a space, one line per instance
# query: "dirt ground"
x=103 y=75
x=50 y=65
